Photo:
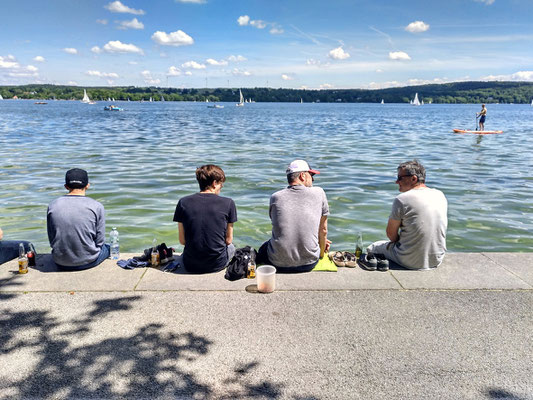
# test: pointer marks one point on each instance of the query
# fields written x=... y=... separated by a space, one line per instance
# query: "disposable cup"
x=266 y=278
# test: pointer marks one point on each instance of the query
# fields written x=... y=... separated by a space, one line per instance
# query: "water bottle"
x=23 y=260
x=359 y=245
x=115 y=246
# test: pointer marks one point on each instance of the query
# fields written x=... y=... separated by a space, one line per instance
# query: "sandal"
x=349 y=259
x=338 y=258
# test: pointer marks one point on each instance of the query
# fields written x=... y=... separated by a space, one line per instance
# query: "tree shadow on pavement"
x=496 y=393
x=65 y=361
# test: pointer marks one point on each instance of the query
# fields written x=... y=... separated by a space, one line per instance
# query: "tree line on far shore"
x=447 y=93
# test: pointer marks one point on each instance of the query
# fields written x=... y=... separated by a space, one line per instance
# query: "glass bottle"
x=23 y=260
x=154 y=259
x=31 y=254
x=359 y=245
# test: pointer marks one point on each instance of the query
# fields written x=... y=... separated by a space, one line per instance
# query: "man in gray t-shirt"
x=76 y=226
x=299 y=223
x=417 y=224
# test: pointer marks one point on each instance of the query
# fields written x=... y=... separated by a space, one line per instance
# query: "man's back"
x=76 y=229
x=295 y=213
x=423 y=213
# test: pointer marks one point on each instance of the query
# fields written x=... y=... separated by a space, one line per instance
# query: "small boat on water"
x=416 y=102
x=1 y=98
x=382 y=101
x=86 y=98
x=241 y=99
x=113 y=108
x=215 y=106
x=40 y=102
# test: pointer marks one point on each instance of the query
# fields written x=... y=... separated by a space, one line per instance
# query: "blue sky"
x=292 y=44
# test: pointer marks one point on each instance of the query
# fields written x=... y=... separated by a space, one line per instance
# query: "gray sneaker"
x=368 y=262
x=383 y=263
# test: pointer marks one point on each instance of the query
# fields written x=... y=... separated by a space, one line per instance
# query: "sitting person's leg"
x=262 y=255
x=296 y=270
x=383 y=247
x=9 y=249
x=104 y=254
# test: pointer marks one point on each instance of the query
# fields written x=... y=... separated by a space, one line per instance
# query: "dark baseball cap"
x=76 y=178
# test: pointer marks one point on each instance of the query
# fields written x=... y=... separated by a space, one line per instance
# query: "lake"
x=143 y=159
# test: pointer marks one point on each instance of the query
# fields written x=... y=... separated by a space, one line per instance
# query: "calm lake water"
x=142 y=160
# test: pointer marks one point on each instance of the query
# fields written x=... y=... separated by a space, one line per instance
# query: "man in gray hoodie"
x=76 y=226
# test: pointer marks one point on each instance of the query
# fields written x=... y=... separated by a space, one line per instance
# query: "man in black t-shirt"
x=205 y=223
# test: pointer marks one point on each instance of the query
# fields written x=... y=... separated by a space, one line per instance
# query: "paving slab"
x=46 y=277
x=520 y=264
x=462 y=271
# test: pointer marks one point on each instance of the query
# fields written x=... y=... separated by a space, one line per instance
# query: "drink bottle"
x=23 y=260
x=359 y=245
x=115 y=244
x=154 y=259
x=31 y=254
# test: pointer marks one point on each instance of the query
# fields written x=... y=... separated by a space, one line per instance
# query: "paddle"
x=477 y=127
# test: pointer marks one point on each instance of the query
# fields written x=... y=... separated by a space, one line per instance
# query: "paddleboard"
x=477 y=132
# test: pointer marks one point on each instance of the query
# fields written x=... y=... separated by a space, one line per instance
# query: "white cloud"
x=193 y=65
x=326 y=86
x=72 y=83
x=133 y=62
x=339 y=54
x=399 y=55
x=379 y=70
x=417 y=26
x=101 y=21
x=178 y=38
x=173 y=71
x=96 y=49
x=211 y=61
x=147 y=75
x=192 y=1
x=39 y=59
x=287 y=77
x=133 y=24
x=276 y=31
x=487 y=2
x=240 y=72
x=243 y=20
x=31 y=68
x=70 y=50
x=237 y=58
x=116 y=46
x=103 y=74
x=8 y=62
x=118 y=7
x=259 y=24
x=188 y=73
x=517 y=76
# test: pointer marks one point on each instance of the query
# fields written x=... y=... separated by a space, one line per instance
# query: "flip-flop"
x=349 y=259
x=338 y=258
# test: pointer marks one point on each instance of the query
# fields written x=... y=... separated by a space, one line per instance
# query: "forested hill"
x=459 y=92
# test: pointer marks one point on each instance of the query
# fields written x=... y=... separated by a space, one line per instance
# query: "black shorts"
x=482 y=119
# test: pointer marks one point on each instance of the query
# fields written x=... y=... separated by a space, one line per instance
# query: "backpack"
x=238 y=266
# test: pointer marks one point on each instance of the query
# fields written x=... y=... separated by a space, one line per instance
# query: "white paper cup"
x=266 y=278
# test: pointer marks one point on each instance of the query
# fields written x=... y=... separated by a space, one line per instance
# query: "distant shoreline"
x=473 y=92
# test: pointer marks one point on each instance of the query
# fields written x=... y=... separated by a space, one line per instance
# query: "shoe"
x=368 y=262
x=145 y=257
x=338 y=258
x=383 y=263
x=349 y=259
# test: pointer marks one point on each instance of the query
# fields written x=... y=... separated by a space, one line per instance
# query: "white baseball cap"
x=300 y=166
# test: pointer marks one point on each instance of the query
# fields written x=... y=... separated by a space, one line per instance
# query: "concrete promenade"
x=462 y=331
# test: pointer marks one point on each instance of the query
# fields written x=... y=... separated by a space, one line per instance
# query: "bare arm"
x=393 y=228
x=1 y=234
x=323 y=235
x=181 y=233
x=229 y=233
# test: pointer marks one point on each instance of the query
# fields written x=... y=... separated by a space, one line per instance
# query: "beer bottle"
x=23 y=260
x=154 y=259
x=359 y=245
x=31 y=255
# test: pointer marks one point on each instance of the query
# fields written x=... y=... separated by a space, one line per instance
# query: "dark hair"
x=414 y=168
x=293 y=177
x=207 y=174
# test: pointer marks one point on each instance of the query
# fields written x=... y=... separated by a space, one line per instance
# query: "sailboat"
x=86 y=98
x=301 y=100
x=241 y=99
x=1 y=98
x=162 y=98
x=382 y=101
x=531 y=101
x=151 y=99
x=416 y=102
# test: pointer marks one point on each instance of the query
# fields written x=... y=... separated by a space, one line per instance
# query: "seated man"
x=205 y=224
x=76 y=226
x=299 y=223
x=417 y=224
x=9 y=249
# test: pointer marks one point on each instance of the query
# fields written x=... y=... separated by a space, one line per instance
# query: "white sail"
x=382 y=101
x=416 y=102
x=531 y=101
x=301 y=100
x=109 y=99
x=86 y=98
x=1 y=98
x=151 y=99
x=162 y=98
x=241 y=99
